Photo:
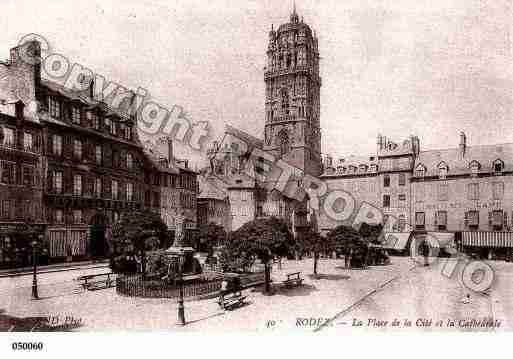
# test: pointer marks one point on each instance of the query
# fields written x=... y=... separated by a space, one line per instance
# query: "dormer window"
x=498 y=166
x=474 y=168
x=442 y=170
x=341 y=169
x=374 y=168
x=363 y=168
x=420 y=171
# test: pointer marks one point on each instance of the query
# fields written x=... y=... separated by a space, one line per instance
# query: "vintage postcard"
x=256 y=167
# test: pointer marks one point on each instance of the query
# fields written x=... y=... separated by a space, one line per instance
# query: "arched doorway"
x=98 y=235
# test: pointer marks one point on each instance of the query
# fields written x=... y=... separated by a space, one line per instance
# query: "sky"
x=431 y=68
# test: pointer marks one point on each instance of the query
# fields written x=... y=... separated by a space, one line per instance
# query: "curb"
x=56 y=269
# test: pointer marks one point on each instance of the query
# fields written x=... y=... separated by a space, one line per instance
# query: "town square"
x=296 y=168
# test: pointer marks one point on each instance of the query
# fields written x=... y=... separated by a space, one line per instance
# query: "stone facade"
x=80 y=165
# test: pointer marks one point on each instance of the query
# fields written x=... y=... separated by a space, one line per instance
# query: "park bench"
x=232 y=301
x=293 y=279
x=97 y=281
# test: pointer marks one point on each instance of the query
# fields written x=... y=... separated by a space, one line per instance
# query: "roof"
x=485 y=155
x=83 y=97
x=209 y=189
x=154 y=157
x=250 y=140
x=354 y=161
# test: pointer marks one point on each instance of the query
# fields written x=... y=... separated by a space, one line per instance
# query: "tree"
x=349 y=241
x=136 y=233
x=371 y=232
x=262 y=238
x=312 y=241
x=209 y=236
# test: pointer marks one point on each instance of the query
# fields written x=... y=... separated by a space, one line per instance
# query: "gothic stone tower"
x=292 y=124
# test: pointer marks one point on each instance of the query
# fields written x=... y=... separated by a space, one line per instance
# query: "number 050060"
x=27 y=346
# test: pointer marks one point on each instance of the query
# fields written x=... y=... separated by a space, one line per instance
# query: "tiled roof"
x=351 y=161
x=458 y=164
x=210 y=188
x=82 y=96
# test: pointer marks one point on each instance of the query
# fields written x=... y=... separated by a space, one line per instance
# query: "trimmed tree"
x=349 y=241
x=262 y=238
x=209 y=236
x=136 y=233
x=312 y=241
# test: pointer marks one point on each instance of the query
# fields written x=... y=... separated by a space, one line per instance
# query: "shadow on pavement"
x=329 y=276
x=280 y=289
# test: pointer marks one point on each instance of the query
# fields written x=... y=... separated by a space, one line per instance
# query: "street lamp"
x=181 y=312
x=34 y=273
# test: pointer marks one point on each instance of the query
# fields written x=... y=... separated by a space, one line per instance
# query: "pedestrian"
x=223 y=292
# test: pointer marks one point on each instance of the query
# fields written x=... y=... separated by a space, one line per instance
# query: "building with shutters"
x=72 y=165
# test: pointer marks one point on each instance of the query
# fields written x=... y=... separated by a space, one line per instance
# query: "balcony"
x=87 y=201
x=9 y=147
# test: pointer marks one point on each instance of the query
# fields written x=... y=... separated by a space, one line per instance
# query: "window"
x=108 y=124
x=54 y=107
x=441 y=220
x=57 y=181
x=386 y=181
x=129 y=133
x=129 y=191
x=129 y=161
x=285 y=102
x=98 y=155
x=57 y=145
x=114 y=189
x=497 y=220
x=8 y=140
x=443 y=192
x=115 y=217
x=442 y=170
x=402 y=179
x=473 y=191
x=113 y=127
x=28 y=142
x=386 y=201
x=498 y=166
x=420 y=220
x=474 y=168
x=77 y=149
x=7 y=209
x=472 y=220
x=498 y=190
x=75 y=115
x=59 y=216
x=374 y=168
x=8 y=172
x=77 y=216
x=402 y=222
x=98 y=187
x=284 y=143
x=28 y=175
x=95 y=120
x=77 y=185
x=402 y=197
x=420 y=171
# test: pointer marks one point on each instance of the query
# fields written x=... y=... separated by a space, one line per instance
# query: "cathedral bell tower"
x=292 y=107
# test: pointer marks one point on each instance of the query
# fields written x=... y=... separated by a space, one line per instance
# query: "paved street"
x=396 y=291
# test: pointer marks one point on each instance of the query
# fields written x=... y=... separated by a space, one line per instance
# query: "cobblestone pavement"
x=426 y=298
x=287 y=309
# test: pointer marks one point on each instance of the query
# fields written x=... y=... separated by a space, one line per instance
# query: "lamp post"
x=34 y=273
x=181 y=312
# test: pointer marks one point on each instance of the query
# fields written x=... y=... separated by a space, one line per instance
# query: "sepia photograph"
x=255 y=167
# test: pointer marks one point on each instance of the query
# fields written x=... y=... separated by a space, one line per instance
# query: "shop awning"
x=487 y=239
x=396 y=240
x=441 y=239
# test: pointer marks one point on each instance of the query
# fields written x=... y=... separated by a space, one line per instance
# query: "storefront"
x=488 y=244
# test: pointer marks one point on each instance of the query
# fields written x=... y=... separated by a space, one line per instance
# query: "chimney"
x=463 y=143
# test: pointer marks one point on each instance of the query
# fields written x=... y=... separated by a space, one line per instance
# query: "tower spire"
x=293 y=17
